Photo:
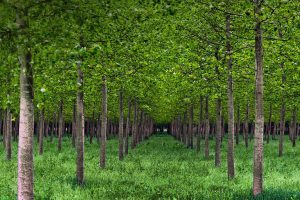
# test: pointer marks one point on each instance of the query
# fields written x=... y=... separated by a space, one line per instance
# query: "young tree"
x=80 y=126
x=230 y=154
x=121 y=125
x=103 y=123
x=259 y=112
x=25 y=147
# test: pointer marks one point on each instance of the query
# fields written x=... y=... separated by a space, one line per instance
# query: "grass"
x=159 y=168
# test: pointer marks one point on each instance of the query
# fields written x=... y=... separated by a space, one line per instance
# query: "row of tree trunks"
x=180 y=132
x=142 y=128
x=293 y=129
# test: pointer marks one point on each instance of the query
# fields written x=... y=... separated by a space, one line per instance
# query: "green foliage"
x=164 y=53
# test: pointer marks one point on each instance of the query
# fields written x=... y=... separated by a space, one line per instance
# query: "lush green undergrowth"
x=159 y=168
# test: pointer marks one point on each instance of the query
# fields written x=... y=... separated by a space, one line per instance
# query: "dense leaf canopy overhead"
x=164 y=53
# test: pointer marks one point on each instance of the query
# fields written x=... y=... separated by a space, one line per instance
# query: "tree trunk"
x=223 y=128
x=238 y=125
x=230 y=153
x=247 y=125
x=282 y=122
x=121 y=137
x=274 y=131
x=92 y=128
x=185 y=129
x=80 y=127
x=99 y=128
x=270 y=124
x=4 y=129
x=46 y=128
x=8 y=134
x=37 y=126
x=190 y=129
x=206 y=129
x=135 y=126
x=104 y=123
x=25 y=147
x=218 y=134
x=200 y=125
x=74 y=126
x=259 y=112
x=53 y=127
x=41 y=132
x=60 y=126
x=294 y=127
x=298 y=129
x=140 y=131
x=127 y=127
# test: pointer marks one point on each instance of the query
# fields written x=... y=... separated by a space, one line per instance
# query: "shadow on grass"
x=270 y=194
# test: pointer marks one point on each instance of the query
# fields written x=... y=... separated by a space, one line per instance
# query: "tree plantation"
x=149 y=99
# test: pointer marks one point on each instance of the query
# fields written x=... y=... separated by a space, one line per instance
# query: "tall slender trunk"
x=121 y=137
x=270 y=124
x=143 y=121
x=223 y=128
x=16 y=129
x=200 y=125
x=185 y=128
x=60 y=126
x=135 y=125
x=37 y=126
x=127 y=127
x=4 y=129
x=181 y=129
x=80 y=127
x=218 y=134
x=298 y=129
x=104 y=123
x=274 y=131
x=25 y=147
x=206 y=129
x=190 y=129
x=92 y=128
x=259 y=108
x=74 y=126
x=140 y=131
x=230 y=151
x=238 y=125
x=46 y=130
x=294 y=127
x=52 y=127
x=282 y=112
x=87 y=127
x=41 y=132
x=247 y=124
x=99 y=128
x=8 y=134
x=57 y=125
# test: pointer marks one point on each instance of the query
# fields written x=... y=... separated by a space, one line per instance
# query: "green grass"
x=159 y=168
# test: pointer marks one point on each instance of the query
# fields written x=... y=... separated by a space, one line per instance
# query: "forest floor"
x=159 y=168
